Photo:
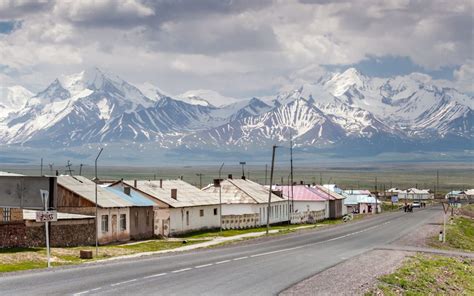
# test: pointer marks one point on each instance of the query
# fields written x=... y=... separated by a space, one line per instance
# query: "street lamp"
x=242 y=163
x=96 y=221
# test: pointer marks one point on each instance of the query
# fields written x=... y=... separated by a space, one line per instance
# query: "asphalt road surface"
x=262 y=267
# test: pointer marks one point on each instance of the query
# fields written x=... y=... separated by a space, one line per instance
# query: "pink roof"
x=303 y=193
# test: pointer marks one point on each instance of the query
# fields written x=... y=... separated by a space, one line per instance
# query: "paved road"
x=253 y=268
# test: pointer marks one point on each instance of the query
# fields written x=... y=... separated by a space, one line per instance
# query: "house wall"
x=240 y=221
x=336 y=209
x=141 y=222
x=180 y=224
x=304 y=206
x=161 y=225
x=114 y=232
x=278 y=212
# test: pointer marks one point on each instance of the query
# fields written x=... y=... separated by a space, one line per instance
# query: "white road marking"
x=81 y=293
x=220 y=262
x=240 y=258
x=181 y=270
x=96 y=289
x=155 y=275
x=205 y=265
x=121 y=283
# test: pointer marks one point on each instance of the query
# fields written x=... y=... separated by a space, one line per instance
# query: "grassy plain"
x=348 y=175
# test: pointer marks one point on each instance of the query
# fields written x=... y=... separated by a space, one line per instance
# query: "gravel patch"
x=422 y=236
x=355 y=276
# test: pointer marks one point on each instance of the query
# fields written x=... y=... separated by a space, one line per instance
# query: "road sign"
x=394 y=198
x=46 y=216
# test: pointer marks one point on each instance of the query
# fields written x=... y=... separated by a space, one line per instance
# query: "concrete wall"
x=161 y=225
x=180 y=224
x=141 y=222
x=63 y=233
x=240 y=221
x=313 y=206
x=278 y=213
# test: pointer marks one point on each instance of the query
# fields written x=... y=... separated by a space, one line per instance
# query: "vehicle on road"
x=416 y=205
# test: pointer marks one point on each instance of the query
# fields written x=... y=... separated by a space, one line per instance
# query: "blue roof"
x=135 y=197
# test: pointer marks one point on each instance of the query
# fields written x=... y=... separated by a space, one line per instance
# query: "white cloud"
x=234 y=47
x=464 y=77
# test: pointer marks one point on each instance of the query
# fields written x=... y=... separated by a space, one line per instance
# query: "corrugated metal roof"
x=9 y=174
x=187 y=194
x=360 y=198
x=31 y=215
x=333 y=195
x=135 y=197
x=238 y=191
x=302 y=193
x=86 y=188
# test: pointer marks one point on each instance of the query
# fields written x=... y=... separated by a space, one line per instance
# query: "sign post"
x=46 y=216
x=445 y=209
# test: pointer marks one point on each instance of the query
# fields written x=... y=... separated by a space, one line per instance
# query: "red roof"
x=303 y=193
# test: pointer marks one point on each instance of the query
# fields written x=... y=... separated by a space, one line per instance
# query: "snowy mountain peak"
x=341 y=82
x=203 y=96
x=12 y=99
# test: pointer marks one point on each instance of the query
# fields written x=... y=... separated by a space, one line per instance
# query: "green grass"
x=429 y=275
x=16 y=259
x=459 y=234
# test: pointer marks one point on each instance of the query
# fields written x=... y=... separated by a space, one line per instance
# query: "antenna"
x=69 y=165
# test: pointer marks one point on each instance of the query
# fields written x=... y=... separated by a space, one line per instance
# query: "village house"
x=120 y=217
x=460 y=195
x=245 y=204
x=179 y=206
x=415 y=194
x=310 y=204
x=361 y=203
x=337 y=209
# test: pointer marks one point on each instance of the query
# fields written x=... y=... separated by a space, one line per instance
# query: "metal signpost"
x=46 y=216
x=445 y=209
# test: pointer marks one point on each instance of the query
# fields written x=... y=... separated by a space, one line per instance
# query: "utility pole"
x=96 y=210
x=80 y=169
x=220 y=198
x=270 y=191
x=291 y=172
x=376 y=195
x=320 y=178
x=51 y=168
x=437 y=183
x=41 y=174
x=266 y=169
x=243 y=163
x=200 y=180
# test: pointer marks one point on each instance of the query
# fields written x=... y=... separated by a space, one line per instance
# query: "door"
x=114 y=227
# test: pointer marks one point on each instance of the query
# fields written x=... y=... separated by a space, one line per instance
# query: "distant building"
x=337 y=209
x=361 y=203
x=460 y=195
x=415 y=194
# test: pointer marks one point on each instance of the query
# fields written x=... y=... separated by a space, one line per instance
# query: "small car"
x=416 y=205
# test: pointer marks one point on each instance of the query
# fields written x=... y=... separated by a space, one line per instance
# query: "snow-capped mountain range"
x=335 y=111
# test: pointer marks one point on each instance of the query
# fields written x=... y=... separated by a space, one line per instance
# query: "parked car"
x=416 y=205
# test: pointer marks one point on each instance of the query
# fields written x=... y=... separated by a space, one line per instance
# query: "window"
x=201 y=213
x=215 y=211
x=187 y=218
x=123 y=222
x=105 y=223
x=7 y=215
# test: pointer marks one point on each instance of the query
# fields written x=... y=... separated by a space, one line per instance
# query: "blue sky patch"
x=388 y=66
x=6 y=27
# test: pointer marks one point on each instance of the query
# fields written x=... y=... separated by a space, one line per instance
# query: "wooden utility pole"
x=200 y=180
x=266 y=169
x=270 y=191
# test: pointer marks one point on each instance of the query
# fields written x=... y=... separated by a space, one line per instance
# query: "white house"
x=415 y=194
x=180 y=207
x=245 y=203
x=307 y=204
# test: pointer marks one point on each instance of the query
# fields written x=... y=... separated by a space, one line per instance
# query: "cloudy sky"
x=238 y=48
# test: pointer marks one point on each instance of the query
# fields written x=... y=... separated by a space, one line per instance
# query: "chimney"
x=161 y=183
x=135 y=183
x=126 y=190
x=174 y=193
x=301 y=183
x=229 y=176
x=243 y=177
x=217 y=183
